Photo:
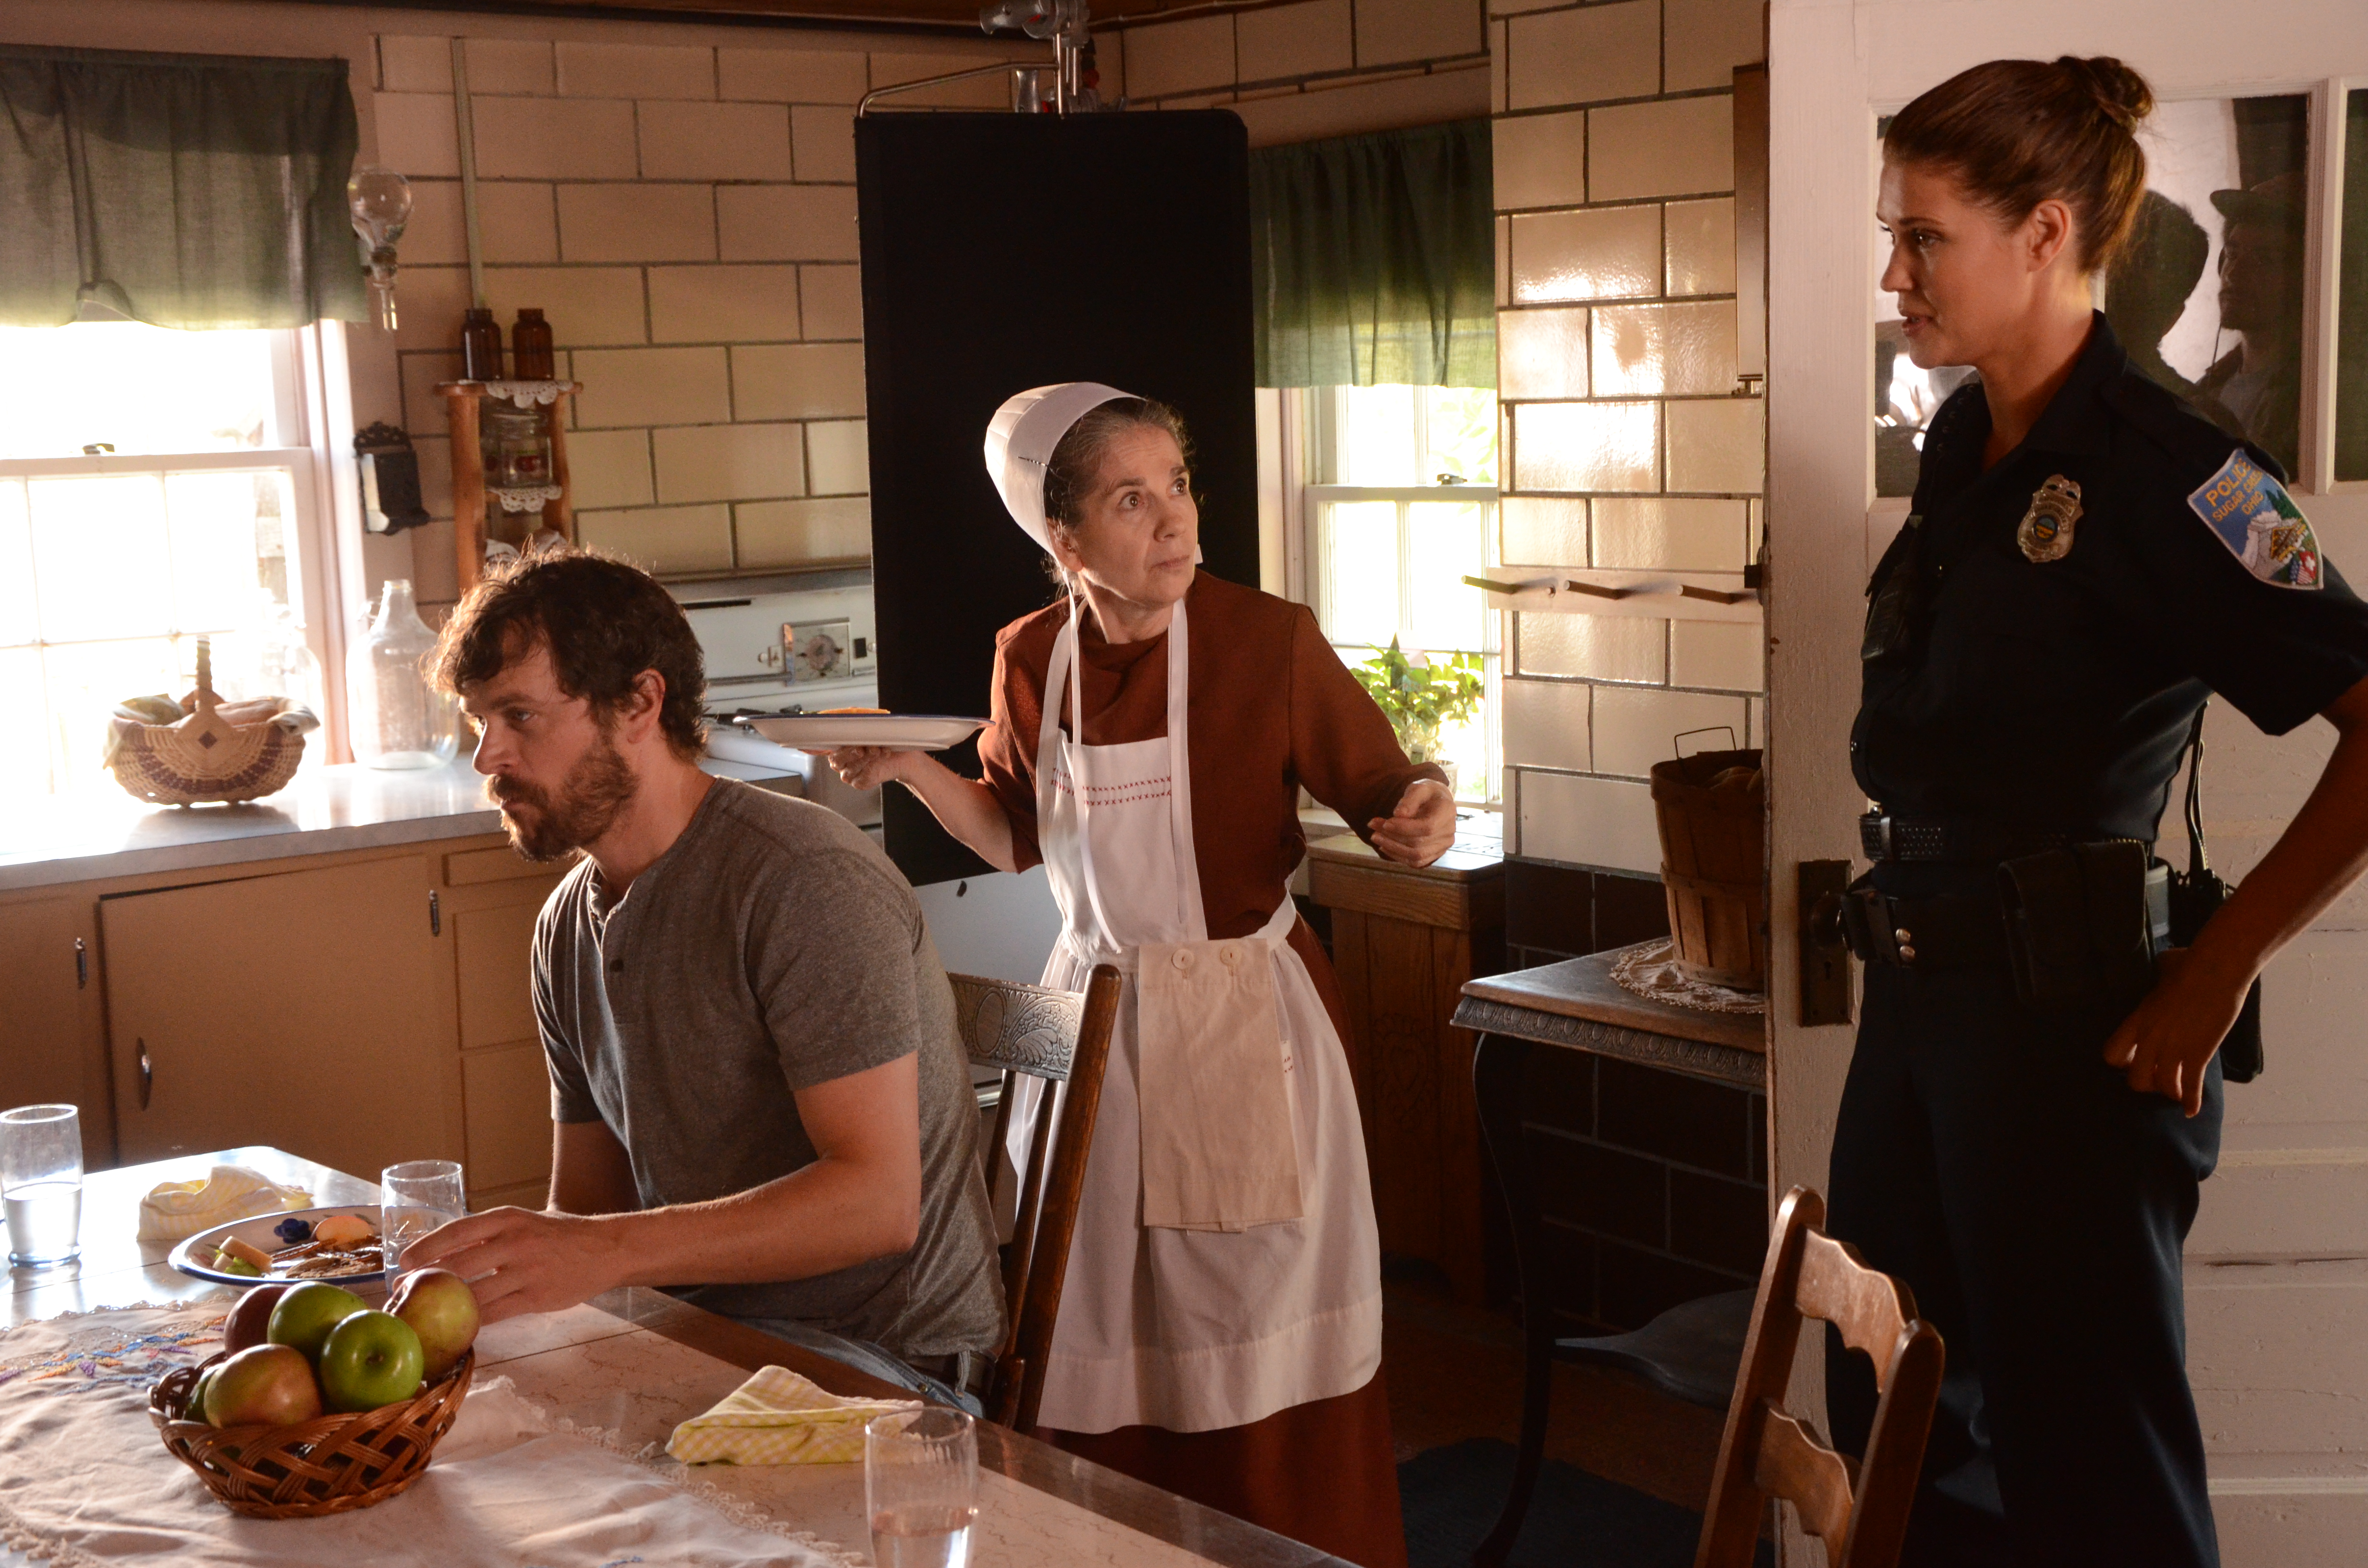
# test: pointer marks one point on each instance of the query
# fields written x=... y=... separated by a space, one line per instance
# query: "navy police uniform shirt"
x=2071 y=608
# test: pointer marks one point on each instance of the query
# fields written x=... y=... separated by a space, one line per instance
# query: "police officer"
x=2035 y=1098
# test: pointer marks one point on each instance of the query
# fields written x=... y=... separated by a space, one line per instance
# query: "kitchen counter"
x=101 y=832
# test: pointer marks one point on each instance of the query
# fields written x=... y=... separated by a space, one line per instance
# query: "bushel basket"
x=1713 y=867
x=331 y=1464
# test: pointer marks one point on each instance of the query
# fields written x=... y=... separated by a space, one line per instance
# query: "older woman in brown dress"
x=1220 y=1331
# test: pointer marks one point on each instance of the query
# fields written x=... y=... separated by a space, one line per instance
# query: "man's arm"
x=859 y=1200
x=590 y=1172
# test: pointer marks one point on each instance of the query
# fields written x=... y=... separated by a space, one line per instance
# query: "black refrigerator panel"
x=1005 y=252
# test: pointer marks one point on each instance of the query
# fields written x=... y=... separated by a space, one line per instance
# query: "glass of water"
x=414 y=1199
x=920 y=1487
x=41 y=1183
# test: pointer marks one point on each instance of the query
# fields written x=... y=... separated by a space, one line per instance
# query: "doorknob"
x=147 y=1075
x=1825 y=952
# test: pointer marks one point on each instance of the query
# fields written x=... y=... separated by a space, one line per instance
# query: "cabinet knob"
x=147 y=1074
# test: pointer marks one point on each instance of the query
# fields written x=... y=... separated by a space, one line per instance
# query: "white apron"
x=1216 y=1318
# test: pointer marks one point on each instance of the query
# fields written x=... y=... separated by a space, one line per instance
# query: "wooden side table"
x=1404 y=942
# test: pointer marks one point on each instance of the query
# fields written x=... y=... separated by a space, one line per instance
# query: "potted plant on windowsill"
x=1420 y=695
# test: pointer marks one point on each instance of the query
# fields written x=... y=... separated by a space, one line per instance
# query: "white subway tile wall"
x=1312 y=69
x=1615 y=169
x=685 y=218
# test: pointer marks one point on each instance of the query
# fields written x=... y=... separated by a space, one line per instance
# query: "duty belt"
x=1887 y=837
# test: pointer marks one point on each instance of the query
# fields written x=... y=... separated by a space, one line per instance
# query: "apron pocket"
x=1218 y=1148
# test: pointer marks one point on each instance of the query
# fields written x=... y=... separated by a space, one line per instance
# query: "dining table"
x=634 y=1362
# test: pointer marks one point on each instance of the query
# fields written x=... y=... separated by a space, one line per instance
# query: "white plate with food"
x=297 y=1244
x=889 y=732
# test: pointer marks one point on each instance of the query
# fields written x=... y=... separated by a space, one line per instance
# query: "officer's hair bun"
x=2120 y=92
x=2017 y=132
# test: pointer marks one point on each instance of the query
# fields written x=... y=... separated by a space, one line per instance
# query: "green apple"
x=371 y=1358
x=303 y=1317
x=265 y=1385
x=249 y=1322
x=196 y=1409
x=440 y=1306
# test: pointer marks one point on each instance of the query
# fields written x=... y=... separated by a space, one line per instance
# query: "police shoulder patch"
x=2249 y=511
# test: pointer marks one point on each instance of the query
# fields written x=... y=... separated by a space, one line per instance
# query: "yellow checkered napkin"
x=778 y=1417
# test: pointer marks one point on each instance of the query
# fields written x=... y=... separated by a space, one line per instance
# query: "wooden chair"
x=1859 y=1509
x=1061 y=1036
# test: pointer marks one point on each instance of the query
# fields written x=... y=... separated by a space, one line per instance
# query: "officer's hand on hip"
x=2164 y=1046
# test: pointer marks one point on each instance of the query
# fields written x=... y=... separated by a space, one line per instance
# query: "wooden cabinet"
x=494 y=898
x=1404 y=942
x=301 y=1009
x=51 y=1016
x=358 y=1009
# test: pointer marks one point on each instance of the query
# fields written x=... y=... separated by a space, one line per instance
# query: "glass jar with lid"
x=516 y=445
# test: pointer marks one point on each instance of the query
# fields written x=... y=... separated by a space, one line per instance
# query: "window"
x=1400 y=510
x=154 y=486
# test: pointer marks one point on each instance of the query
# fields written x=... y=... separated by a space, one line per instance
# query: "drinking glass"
x=41 y=1183
x=414 y=1199
x=920 y=1487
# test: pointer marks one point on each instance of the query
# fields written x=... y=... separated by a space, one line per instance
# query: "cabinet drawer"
x=508 y=1098
x=491 y=951
x=466 y=868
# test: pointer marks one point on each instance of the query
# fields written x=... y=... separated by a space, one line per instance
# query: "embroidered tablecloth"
x=84 y=1480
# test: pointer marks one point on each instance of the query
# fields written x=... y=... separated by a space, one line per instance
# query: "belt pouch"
x=2046 y=913
x=2082 y=924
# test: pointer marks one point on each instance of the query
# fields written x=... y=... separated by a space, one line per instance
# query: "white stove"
x=796 y=644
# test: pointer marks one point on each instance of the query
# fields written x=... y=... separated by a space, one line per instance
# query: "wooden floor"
x=1456 y=1372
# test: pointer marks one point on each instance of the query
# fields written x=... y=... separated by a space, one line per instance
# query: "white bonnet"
x=1020 y=442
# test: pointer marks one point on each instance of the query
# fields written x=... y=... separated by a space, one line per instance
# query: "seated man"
x=759 y=1097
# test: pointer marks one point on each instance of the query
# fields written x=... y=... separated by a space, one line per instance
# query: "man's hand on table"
x=525 y=1260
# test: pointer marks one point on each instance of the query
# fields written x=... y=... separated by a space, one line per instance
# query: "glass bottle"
x=480 y=346
x=530 y=355
x=398 y=717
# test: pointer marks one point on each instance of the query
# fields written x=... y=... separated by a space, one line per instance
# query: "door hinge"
x=435 y=914
x=147 y=1075
x=81 y=964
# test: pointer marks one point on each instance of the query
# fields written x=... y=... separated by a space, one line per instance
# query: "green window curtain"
x=1373 y=260
x=182 y=190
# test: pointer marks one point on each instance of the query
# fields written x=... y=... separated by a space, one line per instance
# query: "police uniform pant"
x=2036 y=1205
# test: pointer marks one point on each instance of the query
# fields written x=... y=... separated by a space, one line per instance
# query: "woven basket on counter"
x=1713 y=867
x=205 y=756
x=331 y=1464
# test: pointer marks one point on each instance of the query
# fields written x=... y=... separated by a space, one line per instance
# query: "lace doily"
x=523 y=497
x=1650 y=969
x=526 y=394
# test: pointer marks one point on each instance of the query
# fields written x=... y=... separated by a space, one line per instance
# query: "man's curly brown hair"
x=604 y=621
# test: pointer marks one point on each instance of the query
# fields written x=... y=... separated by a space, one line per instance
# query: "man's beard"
x=596 y=790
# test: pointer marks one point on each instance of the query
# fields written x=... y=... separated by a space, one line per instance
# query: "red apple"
x=250 y=1323
x=442 y=1310
x=369 y=1359
x=303 y=1317
x=266 y=1385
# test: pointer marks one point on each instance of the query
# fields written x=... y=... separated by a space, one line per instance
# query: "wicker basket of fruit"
x=318 y=1404
x=204 y=748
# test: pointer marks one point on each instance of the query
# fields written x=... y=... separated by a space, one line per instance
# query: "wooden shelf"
x=471 y=523
x=1663 y=595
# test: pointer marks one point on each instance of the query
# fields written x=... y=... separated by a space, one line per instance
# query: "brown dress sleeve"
x=1007 y=747
x=1342 y=748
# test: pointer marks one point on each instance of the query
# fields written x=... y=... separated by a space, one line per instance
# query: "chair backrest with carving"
x=1062 y=1037
x=1859 y=1511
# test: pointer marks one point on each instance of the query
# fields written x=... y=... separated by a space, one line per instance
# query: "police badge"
x=2047 y=530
